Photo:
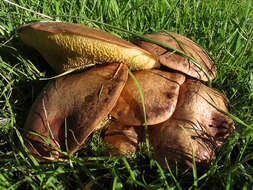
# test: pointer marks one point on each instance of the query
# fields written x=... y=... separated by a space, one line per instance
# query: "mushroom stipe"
x=181 y=115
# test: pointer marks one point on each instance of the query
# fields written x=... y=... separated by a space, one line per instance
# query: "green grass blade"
x=131 y=172
x=144 y=110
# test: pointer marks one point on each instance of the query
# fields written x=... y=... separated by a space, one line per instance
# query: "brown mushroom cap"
x=195 y=125
x=81 y=101
x=67 y=45
x=123 y=138
x=160 y=90
x=175 y=140
x=197 y=101
x=178 y=62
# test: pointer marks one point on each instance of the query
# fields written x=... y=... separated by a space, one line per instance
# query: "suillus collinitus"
x=160 y=91
x=195 y=127
x=176 y=106
x=80 y=101
x=178 y=62
x=68 y=45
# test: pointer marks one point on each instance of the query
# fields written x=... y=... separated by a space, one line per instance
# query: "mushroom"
x=195 y=127
x=175 y=61
x=160 y=91
x=79 y=101
x=181 y=112
x=67 y=45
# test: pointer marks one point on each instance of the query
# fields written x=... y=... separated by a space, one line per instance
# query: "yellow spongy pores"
x=66 y=51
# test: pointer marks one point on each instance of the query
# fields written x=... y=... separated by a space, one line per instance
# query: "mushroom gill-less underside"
x=67 y=45
x=180 y=111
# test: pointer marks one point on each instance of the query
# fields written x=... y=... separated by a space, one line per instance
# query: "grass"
x=224 y=28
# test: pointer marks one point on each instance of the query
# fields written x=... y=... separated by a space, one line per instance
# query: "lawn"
x=223 y=27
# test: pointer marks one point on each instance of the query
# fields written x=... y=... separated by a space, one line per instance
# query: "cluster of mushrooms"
x=138 y=85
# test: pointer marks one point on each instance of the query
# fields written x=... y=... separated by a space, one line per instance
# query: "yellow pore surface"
x=65 y=51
